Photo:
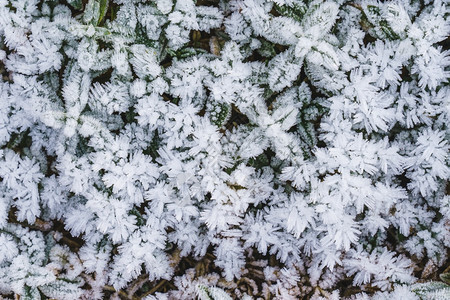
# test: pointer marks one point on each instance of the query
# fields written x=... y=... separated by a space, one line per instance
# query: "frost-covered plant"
x=32 y=264
x=310 y=133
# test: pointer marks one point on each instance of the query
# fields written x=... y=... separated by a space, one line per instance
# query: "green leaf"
x=30 y=293
x=445 y=277
x=91 y=10
x=77 y=4
x=377 y=19
x=19 y=140
x=95 y=11
x=139 y=218
x=424 y=289
x=188 y=52
x=267 y=49
x=63 y=288
x=219 y=113
x=102 y=11
x=153 y=146
x=295 y=11
x=260 y=161
x=185 y=52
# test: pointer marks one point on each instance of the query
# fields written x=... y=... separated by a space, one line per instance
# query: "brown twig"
x=155 y=288
x=138 y=283
x=120 y=292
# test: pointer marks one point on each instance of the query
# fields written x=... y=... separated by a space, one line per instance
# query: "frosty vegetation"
x=300 y=148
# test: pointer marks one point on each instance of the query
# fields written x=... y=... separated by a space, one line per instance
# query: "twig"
x=120 y=292
x=155 y=288
x=137 y=285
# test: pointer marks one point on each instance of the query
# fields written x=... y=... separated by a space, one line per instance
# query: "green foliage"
x=432 y=290
x=139 y=218
x=95 y=11
x=445 y=277
x=295 y=11
x=19 y=141
x=30 y=293
x=375 y=16
x=260 y=161
x=185 y=52
x=153 y=146
x=267 y=49
x=224 y=132
x=219 y=113
x=77 y=4
x=62 y=289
